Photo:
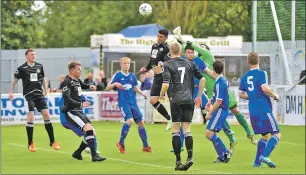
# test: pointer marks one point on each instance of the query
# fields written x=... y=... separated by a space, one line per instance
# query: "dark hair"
x=189 y=48
x=218 y=66
x=29 y=50
x=73 y=64
x=204 y=45
x=164 y=32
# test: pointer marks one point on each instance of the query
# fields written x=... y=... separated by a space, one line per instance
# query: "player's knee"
x=175 y=127
x=141 y=124
x=45 y=114
x=87 y=127
x=129 y=121
x=153 y=100
x=208 y=134
x=278 y=135
x=265 y=136
x=186 y=127
x=235 y=111
x=30 y=116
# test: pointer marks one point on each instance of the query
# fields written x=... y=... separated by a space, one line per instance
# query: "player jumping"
x=159 y=54
x=126 y=84
x=254 y=87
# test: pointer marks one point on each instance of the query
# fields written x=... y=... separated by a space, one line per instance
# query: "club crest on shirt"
x=161 y=49
x=38 y=70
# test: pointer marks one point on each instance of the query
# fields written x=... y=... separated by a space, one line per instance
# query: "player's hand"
x=85 y=104
x=198 y=102
x=11 y=96
x=143 y=69
x=162 y=96
x=144 y=95
x=93 y=87
x=118 y=85
x=158 y=69
x=276 y=97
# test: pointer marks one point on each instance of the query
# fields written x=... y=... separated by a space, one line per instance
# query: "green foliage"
x=20 y=25
x=70 y=23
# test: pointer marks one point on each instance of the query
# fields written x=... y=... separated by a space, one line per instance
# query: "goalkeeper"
x=208 y=57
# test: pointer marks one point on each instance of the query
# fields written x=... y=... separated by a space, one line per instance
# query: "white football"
x=145 y=9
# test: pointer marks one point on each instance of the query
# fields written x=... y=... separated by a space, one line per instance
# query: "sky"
x=39 y=5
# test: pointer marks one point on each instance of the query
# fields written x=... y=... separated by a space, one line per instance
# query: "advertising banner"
x=15 y=111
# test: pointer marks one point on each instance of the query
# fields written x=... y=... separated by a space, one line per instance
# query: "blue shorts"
x=131 y=111
x=204 y=97
x=264 y=123
x=216 y=122
x=78 y=131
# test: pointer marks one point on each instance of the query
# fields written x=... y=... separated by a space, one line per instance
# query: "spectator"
x=145 y=82
x=99 y=83
x=89 y=79
x=103 y=78
x=61 y=79
x=303 y=75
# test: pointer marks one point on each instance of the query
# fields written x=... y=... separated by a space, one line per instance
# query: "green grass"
x=289 y=155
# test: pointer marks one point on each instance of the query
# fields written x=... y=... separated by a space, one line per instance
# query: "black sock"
x=204 y=115
x=49 y=129
x=90 y=139
x=189 y=144
x=30 y=129
x=162 y=110
x=82 y=146
x=176 y=144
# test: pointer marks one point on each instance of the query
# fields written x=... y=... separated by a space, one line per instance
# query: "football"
x=145 y=9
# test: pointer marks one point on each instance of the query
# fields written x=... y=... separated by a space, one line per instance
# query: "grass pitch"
x=289 y=155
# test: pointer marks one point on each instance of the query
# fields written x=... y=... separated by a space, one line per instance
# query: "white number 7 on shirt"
x=182 y=73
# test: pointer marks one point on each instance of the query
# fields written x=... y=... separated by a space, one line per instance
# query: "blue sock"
x=270 y=146
x=143 y=135
x=260 y=149
x=219 y=146
x=124 y=132
x=182 y=137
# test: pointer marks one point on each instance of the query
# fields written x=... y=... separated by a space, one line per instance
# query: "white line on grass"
x=126 y=161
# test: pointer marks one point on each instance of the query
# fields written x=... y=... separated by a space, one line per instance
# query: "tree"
x=20 y=25
x=227 y=18
x=70 y=23
x=187 y=14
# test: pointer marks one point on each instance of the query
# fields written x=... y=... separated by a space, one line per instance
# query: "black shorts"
x=40 y=104
x=77 y=118
x=157 y=85
x=181 y=112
